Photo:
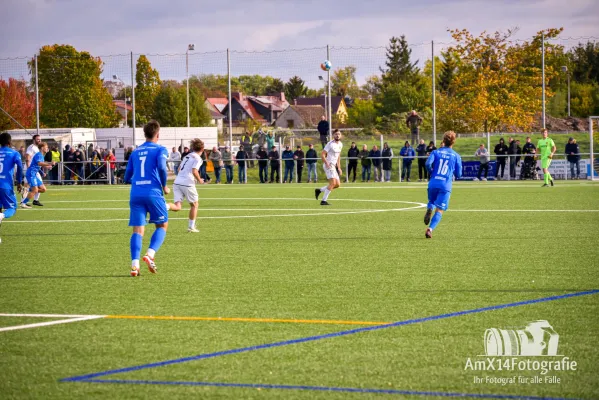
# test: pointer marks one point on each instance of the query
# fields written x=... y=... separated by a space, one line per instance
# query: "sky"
x=111 y=27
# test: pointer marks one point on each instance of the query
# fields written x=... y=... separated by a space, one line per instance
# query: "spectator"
x=175 y=160
x=375 y=156
x=407 y=152
x=185 y=152
x=484 y=157
x=217 y=162
x=128 y=153
x=78 y=165
x=259 y=138
x=501 y=152
x=573 y=156
x=22 y=152
x=413 y=122
x=512 y=152
x=529 y=148
x=366 y=163
x=288 y=157
x=56 y=158
x=323 y=130
x=262 y=157
x=430 y=148
x=90 y=150
x=111 y=159
x=203 y=174
x=311 y=158
x=69 y=166
x=96 y=159
x=273 y=157
x=387 y=155
x=227 y=158
x=240 y=157
x=518 y=152
x=246 y=142
x=352 y=165
x=270 y=141
x=421 y=151
x=298 y=156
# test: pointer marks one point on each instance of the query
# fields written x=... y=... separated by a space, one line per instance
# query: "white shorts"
x=331 y=173
x=188 y=193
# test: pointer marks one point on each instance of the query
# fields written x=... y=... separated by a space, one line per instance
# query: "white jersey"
x=333 y=150
x=190 y=162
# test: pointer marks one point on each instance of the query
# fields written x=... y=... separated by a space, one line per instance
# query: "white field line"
x=245 y=198
x=52 y=315
x=316 y=214
x=57 y=322
x=199 y=210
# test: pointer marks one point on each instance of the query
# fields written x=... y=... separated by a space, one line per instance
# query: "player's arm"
x=163 y=171
x=19 y=175
x=553 y=149
x=129 y=171
x=458 y=168
x=323 y=156
x=339 y=170
x=197 y=176
x=430 y=161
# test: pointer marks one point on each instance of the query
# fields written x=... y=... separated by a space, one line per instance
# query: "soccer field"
x=278 y=297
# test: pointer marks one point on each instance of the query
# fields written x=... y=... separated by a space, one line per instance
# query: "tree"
x=295 y=88
x=343 y=82
x=403 y=97
x=448 y=70
x=275 y=87
x=372 y=87
x=73 y=92
x=497 y=84
x=584 y=61
x=399 y=67
x=17 y=100
x=584 y=99
x=147 y=86
x=362 y=114
x=170 y=106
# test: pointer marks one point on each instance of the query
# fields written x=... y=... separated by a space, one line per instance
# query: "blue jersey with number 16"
x=146 y=170
x=9 y=158
x=443 y=164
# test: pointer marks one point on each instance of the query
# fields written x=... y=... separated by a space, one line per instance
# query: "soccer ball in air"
x=326 y=65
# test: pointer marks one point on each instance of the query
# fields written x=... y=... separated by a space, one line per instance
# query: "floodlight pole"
x=133 y=100
x=37 y=100
x=187 y=81
x=543 y=67
x=230 y=105
x=329 y=92
x=434 y=97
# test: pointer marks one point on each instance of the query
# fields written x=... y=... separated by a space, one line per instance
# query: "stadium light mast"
x=125 y=93
x=326 y=108
x=565 y=69
x=190 y=47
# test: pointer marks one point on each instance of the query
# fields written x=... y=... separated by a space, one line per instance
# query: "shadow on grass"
x=65 y=277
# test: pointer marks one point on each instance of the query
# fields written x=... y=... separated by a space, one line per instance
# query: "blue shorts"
x=8 y=199
x=438 y=198
x=33 y=179
x=141 y=206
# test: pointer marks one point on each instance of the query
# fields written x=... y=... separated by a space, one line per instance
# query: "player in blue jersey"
x=443 y=164
x=36 y=185
x=9 y=159
x=146 y=171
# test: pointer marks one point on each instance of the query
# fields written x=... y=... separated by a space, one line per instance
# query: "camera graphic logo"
x=537 y=338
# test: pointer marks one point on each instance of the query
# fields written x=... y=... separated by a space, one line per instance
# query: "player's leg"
x=430 y=206
x=545 y=163
x=8 y=205
x=441 y=203
x=32 y=192
x=192 y=197
x=137 y=220
x=178 y=199
x=36 y=198
x=159 y=217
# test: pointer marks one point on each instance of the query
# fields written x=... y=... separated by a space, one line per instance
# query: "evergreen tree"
x=295 y=88
x=147 y=86
x=399 y=67
x=448 y=70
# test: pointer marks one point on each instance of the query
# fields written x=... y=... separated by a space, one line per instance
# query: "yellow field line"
x=232 y=319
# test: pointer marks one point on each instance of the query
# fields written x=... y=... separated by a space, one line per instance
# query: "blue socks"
x=26 y=200
x=436 y=219
x=136 y=241
x=157 y=239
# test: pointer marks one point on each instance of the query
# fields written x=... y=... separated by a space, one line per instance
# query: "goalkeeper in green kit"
x=547 y=148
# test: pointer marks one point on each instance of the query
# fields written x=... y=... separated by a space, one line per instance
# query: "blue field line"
x=325 y=336
x=326 y=389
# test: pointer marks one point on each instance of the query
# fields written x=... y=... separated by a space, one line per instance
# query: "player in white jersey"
x=32 y=150
x=184 y=187
x=332 y=167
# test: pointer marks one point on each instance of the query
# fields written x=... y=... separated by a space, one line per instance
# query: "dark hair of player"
x=151 y=129
x=5 y=139
x=449 y=138
x=197 y=145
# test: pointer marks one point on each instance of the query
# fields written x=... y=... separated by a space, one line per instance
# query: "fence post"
x=399 y=164
x=37 y=100
x=132 y=100
x=434 y=94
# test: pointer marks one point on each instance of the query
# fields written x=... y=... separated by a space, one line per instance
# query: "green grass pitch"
x=268 y=253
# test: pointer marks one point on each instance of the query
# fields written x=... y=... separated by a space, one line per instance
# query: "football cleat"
x=545 y=185
x=551 y=181
x=317 y=193
x=135 y=271
x=324 y=203
x=37 y=203
x=193 y=230
x=429 y=233
x=26 y=206
x=150 y=263
x=427 y=216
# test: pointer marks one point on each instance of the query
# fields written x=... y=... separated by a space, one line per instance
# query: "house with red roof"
x=261 y=109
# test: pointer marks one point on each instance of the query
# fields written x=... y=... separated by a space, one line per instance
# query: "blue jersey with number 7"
x=146 y=170
x=442 y=165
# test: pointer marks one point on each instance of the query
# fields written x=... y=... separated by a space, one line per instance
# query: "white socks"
x=37 y=196
x=192 y=224
x=135 y=263
x=322 y=189
x=326 y=194
x=151 y=253
x=1 y=216
x=168 y=206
